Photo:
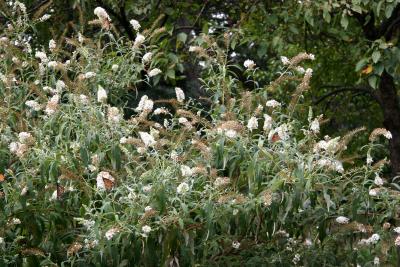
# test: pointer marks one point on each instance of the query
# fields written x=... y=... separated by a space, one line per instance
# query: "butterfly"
x=109 y=184
x=60 y=191
x=367 y=70
x=2 y=177
x=275 y=138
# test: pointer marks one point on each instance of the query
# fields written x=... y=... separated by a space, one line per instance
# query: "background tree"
x=356 y=43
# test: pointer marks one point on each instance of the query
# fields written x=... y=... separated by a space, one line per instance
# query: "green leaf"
x=182 y=37
x=262 y=50
x=326 y=12
x=169 y=11
x=53 y=171
x=378 y=8
x=373 y=81
x=276 y=40
x=378 y=68
x=344 y=21
x=376 y=55
x=173 y=57
x=84 y=155
x=170 y=74
x=293 y=29
x=309 y=17
x=357 y=8
x=180 y=67
x=327 y=16
x=389 y=10
x=116 y=157
x=205 y=27
x=273 y=19
x=234 y=42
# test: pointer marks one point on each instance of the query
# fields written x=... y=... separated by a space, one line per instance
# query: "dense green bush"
x=247 y=182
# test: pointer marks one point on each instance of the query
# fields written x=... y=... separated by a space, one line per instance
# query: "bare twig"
x=342 y=88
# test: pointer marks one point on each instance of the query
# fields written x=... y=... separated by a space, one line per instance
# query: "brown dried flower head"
x=74 y=248
x=379 y=131
x=267 y=198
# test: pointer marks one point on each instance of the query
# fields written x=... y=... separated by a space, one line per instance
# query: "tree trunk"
x=389 y=102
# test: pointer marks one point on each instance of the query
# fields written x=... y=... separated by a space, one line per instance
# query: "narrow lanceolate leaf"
x=116 y=157
x=84 y=153
x=344 y=21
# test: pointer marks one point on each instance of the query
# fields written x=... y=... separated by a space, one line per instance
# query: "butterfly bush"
x=248 y=179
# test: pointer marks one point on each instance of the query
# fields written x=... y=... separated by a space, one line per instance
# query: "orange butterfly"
x=108 y=183
x=275 y=138
x=367 y=70
x=60 y=191
x=2 y=177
